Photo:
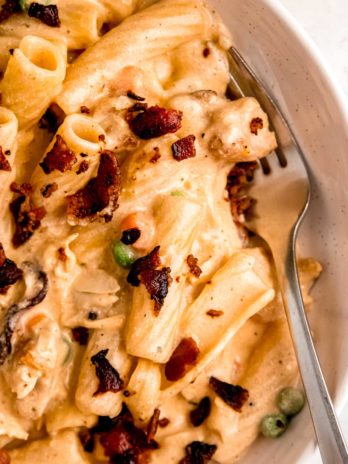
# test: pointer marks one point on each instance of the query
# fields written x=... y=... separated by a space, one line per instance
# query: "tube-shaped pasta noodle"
x=8 y=134
x=152 y=336
x=10 y=424
x=33 y=77
x=61 y=448
x=236 y=290
x=149 y=33
x=81 y=135
x=144 y=389
x=102 y=404
x=67 y=415
x=264 y=377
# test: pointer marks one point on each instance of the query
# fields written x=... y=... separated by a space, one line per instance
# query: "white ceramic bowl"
x=292 y=69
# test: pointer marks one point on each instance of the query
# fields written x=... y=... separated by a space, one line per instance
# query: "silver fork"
x=282 y=197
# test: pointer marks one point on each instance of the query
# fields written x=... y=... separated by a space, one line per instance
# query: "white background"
x=326 y=21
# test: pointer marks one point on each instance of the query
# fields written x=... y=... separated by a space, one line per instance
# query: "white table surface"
x=326 y=21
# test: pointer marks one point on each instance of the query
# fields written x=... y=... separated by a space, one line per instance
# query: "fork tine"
x=243 y=83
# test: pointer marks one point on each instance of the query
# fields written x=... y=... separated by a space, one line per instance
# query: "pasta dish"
x=140 y=323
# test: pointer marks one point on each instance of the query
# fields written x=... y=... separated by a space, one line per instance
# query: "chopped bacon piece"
x=4 y=164
x=164 y=422
x=87 y=440
x=47 y=190
x=237 y=180
x=193 y=266
x=53 y=118
x=233 y=395
x=184 y=357
x=150 y=261
x=27 y=219
x=152 y=426
x=4 y=457
x=214 y=313
x=184 y=148
x=198 y=452
x=60 y=157
x=125 y=443
x=9 y=272
x=109 y=378
x=156 y=156
x=83 y=167
x=206 y=52
x=80 y=335
x=156 y=281
x=99 y=193
x=47 y=14
x=61 y=254
x=22 y=189
x=201 y=412
x=133 y=96
x=256 y=124
x=154 y=121
x=8 y=8
x=130 y=236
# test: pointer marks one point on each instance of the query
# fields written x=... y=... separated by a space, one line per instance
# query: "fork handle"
x=331 y=443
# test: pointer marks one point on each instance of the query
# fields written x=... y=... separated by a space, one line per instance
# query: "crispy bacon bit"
x=99 y=193
x=83 y=167
x=164 y=422
x=8 y=8
x=150 y=261
x=200 y=414
x=135 y=108
x=53 y=118
x=4 y=457
x=237 y=180
x=27 y=219
x=8 y=152
x=4 y=164
x=9 y=272
x=184 y=357
x=109 y=378
x=87 y=440
x=198 y=452
x=22 y=189
x=193 y=266
x=101 y=138
x=256 y=125
x=80 y=335
x=130 y=236
x=61 y=254
x=214 y=313
x=125 y=443
x=233 y=395
x=60 y=157
x=156 y=155
x=134 y=96
x=154 y=121
x=47 y=14
x=85 y=110
x=156 y=281
x=206 y=52
x=152 y=426
x=184 y=148
x=47 y=190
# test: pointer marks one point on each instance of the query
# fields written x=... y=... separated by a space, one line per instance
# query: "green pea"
x=123 y=254
x=274 y=425
x=290 y=401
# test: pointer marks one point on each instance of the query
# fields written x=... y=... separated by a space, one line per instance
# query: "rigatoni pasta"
x=140 y=322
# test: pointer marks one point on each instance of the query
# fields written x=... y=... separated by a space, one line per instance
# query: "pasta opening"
x=40 y=53
x=85 y=130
